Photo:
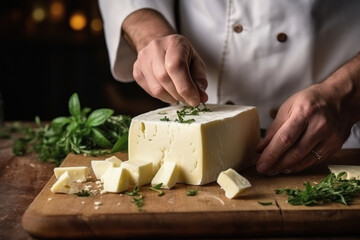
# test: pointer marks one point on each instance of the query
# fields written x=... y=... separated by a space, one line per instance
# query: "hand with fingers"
x=170 y=69
x=312 y=124
x=167 y=66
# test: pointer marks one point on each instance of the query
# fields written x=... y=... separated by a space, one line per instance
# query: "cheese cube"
x=64 y=184
x=232 y=182
x=99 y=167
x=115 y=179
x=75 y=173
x=115 y=161
x=224 y=138
x=141 y=172
x=351 y=171
x=167 y=175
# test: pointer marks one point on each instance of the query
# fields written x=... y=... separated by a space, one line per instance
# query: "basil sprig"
x=99 y=133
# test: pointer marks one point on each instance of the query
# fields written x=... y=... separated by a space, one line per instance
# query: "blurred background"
x=50 y=49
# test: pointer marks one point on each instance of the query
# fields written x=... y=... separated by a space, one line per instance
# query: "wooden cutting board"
x=208 y=214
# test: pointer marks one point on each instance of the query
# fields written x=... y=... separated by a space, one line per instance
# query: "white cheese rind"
x=232 y=183
x=140 y=172
x=65 y=184
x=351 y=171
x=224 y=138
x=75 y=173
x=115 y=179
x=167 y=175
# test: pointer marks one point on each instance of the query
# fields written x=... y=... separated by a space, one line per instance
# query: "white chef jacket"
x=239 y=42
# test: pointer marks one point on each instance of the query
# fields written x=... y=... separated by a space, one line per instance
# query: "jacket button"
x=273 y=112
x=237 y=28
x=282 y=37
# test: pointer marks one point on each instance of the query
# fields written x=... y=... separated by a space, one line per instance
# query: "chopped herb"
x=264 y=203
x=139 y=202
x=135 y=192
x=98 y=133
x=83 y=193
x=165 y=119
x=330 y=189
x=192 y=192
x=162 y=113
x=157 y=189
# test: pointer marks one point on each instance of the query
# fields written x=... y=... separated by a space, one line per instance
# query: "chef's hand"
x=312 y=124
x=167 y=66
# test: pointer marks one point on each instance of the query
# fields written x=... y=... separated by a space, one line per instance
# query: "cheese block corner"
x=224 y=137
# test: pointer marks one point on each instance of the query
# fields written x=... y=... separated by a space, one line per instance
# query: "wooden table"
x=22 y=178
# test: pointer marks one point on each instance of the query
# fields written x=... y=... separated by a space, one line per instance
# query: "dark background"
x=44 y=60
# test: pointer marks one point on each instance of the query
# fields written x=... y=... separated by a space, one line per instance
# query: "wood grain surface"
x=208 y=214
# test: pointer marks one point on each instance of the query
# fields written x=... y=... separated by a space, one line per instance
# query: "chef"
x=298 y=62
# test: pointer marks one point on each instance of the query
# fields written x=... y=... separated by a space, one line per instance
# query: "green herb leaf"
x=135 y=192
x=139 y=202
x=59 y=122
x=165 y=119
x=192 y=192
x=264 y=203
x=121 y=144
x=100 y=139
x=156 y=188
x=74 y=106
x=98 y=117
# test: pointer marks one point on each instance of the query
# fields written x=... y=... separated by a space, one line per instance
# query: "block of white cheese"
x=65 y=184
x=167 y=175
x=75 y=173
x=351 y=171
x=225 y=137
x=115 y=179
x=99 y=166
x=232 y=183
x=141 y=172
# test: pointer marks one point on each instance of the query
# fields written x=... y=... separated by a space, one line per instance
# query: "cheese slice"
x=75 y=173
x=141 y=172
x=115 y=179
x=232 y=183
x=224 y=138
x=167 y=175
x=65 y=184
x=351 y=171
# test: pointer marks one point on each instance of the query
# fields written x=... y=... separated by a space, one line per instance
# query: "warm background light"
x=96 y=25
x=78 y=21
x=38 y=14
x=57 y=10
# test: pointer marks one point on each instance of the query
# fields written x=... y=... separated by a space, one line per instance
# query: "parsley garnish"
x=330 y=189
x=191 y=193
x=157 y=189
x=187 y=111
x=165 y=119
x=135 y=192
x=139 y=202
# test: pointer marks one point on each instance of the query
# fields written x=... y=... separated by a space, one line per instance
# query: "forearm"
x=144 y=25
